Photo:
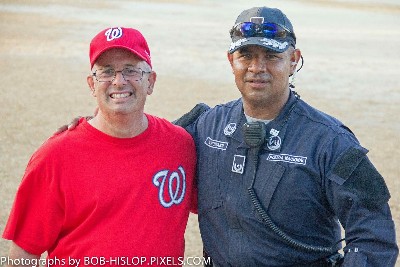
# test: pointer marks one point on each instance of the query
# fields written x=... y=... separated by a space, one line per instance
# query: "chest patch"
x=274 y=141
x=288 y=158
x=230 y=129
x=238 y=164
x=216 y=144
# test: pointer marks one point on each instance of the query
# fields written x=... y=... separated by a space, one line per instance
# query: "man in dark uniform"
x=276 y=177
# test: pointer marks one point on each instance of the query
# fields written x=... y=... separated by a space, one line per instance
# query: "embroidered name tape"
x=288 y=158
x=216 y=144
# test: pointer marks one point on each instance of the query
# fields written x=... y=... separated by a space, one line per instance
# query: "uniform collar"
x=276 y=129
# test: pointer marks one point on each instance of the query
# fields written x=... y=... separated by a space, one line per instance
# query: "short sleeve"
x=37 y=214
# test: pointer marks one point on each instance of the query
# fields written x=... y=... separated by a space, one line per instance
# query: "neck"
x=121 y=126
x=267 y=109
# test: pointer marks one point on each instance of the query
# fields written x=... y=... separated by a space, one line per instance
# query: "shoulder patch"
x=348 y=162
x=362 y=178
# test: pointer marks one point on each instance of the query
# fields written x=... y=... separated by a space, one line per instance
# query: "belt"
x=334 y=260
x=318 y=263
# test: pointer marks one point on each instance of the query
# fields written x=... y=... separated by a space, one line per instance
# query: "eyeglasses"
x=109 y=74
x=268 y=30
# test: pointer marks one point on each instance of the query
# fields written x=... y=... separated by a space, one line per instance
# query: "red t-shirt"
x=117 y=201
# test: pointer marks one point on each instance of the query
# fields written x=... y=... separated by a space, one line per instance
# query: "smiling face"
x=262 y=78
x=122 y=96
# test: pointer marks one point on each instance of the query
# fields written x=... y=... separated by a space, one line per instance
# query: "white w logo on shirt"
x=175 y=191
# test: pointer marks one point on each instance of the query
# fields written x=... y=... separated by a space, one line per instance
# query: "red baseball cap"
x=119 y=37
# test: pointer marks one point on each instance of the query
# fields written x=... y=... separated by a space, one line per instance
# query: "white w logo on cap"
x=113 y=33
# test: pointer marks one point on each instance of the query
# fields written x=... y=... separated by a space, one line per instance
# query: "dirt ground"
x=351 y=70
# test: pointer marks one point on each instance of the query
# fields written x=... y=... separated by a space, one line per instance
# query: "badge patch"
x=216 y=144
x=274 y=141
x=288 y=158
x=230 y=129
x=238 y=164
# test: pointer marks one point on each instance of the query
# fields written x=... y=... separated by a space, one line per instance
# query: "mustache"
x=262 y=78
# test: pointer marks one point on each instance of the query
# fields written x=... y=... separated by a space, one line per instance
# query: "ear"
x=294 y=59
x=90 y=82
x=230 y=59
x=152 y=80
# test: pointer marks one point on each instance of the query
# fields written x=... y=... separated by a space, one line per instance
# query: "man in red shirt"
x=116 y=191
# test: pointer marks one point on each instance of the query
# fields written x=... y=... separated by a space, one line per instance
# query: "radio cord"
x=255 y=147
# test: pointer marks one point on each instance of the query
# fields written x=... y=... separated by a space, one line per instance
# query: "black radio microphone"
x=254 y=134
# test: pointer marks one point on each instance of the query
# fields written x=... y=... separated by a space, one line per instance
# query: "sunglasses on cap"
x=268 y=30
